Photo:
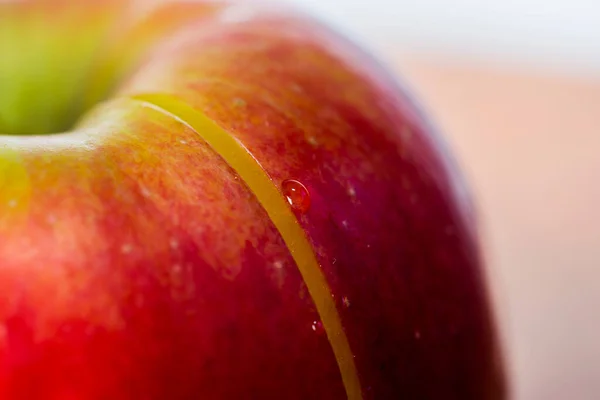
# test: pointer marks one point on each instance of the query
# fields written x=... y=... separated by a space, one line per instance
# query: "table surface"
x=529 y=145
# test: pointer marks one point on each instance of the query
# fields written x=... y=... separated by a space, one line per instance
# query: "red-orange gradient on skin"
x=145 y=268
x=135 y=263
x=390 y=230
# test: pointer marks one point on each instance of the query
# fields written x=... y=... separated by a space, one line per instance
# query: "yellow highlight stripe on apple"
x=269 y=196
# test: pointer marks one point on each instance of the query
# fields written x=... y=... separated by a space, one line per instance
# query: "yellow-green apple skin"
x=255 y=210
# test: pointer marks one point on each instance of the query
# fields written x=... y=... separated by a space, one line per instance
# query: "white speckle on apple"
x=312 y=141
x=351 y=191
x=296 y=88
x=238 y=102
x=12 y=203
x=345 y=224
x=346 y=301
x=417 y=335
x=145 y=192
x=278 y=273
x=173 y=243
x=182 y=141
x=126 y=248
x=176 y=269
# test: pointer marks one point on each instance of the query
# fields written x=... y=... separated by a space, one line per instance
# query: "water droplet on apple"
x=317 y=327
x=296 y=194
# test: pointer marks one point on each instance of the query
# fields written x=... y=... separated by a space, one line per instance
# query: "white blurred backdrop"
x=514 y=85
x=561 y=34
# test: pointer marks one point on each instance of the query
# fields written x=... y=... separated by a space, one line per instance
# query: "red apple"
x=257 y=210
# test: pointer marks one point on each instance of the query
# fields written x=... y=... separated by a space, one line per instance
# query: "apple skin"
x=136 y=263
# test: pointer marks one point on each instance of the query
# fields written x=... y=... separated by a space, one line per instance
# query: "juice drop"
x=296 y=194
x=317 y=326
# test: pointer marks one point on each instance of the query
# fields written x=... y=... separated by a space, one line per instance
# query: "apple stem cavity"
x=49 y=65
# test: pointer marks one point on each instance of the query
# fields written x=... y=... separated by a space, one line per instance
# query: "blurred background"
x=515 y=87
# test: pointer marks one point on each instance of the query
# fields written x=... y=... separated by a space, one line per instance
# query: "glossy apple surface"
x=258 y=210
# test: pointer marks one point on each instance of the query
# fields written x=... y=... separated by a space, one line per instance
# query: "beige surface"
x=530 y=147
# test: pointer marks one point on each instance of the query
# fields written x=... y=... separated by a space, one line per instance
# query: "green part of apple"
x=59 y=60
x=43 y=72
